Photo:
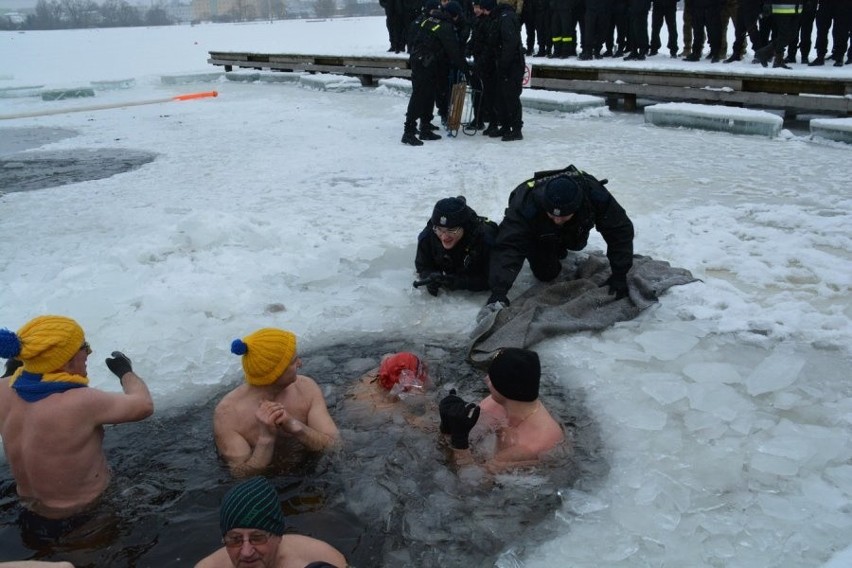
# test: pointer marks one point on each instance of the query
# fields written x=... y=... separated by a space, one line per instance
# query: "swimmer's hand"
x=119 y=364
x=459 y=417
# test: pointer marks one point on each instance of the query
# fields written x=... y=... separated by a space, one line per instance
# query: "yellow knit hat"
x=265 y=353
x=48 y=342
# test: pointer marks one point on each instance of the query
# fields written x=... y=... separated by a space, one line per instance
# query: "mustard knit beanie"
x=265 y=353
x=44 y=344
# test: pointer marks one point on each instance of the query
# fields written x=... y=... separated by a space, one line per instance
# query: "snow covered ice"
x=725 y=411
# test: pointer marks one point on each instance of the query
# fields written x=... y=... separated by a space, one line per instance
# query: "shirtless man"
x=52 y=423
x=524 y=429
x=252 y=526
x=275 y=407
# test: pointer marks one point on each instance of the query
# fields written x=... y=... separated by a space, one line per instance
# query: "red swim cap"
x=395 y=366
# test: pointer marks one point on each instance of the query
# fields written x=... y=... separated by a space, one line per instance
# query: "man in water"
x=52 y=423
x=252 y=526
x=525 y=431
x=275 y=407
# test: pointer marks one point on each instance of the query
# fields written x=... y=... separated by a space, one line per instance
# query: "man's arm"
x=243 y=459
x=134 y=405
x=320 y=431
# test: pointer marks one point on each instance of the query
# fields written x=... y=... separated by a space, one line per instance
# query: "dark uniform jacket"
x=468 y=261
x=436 y=39
x=509 y=51
x=527 y=227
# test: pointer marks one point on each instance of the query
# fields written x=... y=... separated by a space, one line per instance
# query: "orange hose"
x=192 y=96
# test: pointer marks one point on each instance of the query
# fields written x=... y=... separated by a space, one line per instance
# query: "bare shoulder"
x=232 y=399
x=308 y=387
x=218 y=559
x=299 y=550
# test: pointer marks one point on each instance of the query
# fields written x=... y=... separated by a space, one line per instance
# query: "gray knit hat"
x=252 y=504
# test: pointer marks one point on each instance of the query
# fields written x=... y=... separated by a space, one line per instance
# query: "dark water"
x=388 y=498
x=42 y=169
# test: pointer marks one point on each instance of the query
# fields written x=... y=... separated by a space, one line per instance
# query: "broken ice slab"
x=540 y=99
x=396 y=84
x=24 y=91
x=113 y=85
x=712 y=117
x=61 y=94
x=838 y=129
x=242 y=77
x=190 y=78
x=329 y=82
x=777 y=372
x=281 y=77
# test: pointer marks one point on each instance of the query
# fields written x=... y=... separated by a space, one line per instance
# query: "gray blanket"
x=571 y=303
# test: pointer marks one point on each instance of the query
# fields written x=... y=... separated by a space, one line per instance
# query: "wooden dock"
x=624 y=85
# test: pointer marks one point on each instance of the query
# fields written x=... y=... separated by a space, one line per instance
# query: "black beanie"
x=489 y=5
x=451 y=212
x=515 y=373
x=562 y=196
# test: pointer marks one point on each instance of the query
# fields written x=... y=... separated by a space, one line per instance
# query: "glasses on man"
x=86 y=347
x=441 y=231
x=236 y=540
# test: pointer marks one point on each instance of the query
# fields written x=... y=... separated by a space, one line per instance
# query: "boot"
x=692 y=57
x=512 y=134
x=556 y=53
x=838 y=62
x=764 y=53
x=492 y=129
x=818 y=61
x=500 y=132
x=426 y=134
x=779 y=63
x=410 y=139
x=791 y=58
x=734 y=57
x=585 y=56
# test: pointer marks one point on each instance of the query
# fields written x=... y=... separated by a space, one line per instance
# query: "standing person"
x=395 y=21
x=52 y=423
x=637 y=38
x=484 y=65
x=595 y=28
x=276 y=410
x=528 y=16
x=562 y=37
x=785 y=24
x=745 y=23
x=801 y=39
x=664 y=11
x=547 y=216
x=687 y=29
x=524 y=429
x=706 y=14
x=252 y=526
x=543 y=28
x=434 y=41
x=454 y=249
x=834 y=15
x=510 y=73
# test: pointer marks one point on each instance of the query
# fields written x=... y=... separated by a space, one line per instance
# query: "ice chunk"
x=774 y=465
x=665 y=388
x=776 y=372
x=329 y=82
x=666 y=345
x=712 y=117
x=839 y=129
x=710 y=372
x=554 y=100
x=721 y=401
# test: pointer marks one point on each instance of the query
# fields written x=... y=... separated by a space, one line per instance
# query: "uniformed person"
x=550 y=214
x=453 y=250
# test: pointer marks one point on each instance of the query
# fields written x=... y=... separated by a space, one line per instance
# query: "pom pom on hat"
x=451 y=212
x=252 y=504
x=266 y=353
x=43 y=344
x=516 y=373
x=562 y=196
x=394 y=366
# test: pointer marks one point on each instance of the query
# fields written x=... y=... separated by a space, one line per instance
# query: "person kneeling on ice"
x=252 y=526
x=525 y=431
x=52 y=422
x=454 y=249
x=275 y=407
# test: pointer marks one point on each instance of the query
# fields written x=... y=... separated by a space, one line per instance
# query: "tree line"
x=68 y=14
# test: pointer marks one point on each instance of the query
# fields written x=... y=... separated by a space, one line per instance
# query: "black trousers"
x=637 y=38
x=664 y=11
x=802 y=39
x=707 y=14
x=509 y=87
x=746 y=24
x=597 y=25
x=422 y=100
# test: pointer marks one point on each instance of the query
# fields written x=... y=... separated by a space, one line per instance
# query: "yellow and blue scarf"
x=33 y=387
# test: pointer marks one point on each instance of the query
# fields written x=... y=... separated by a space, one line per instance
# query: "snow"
x=725 y=411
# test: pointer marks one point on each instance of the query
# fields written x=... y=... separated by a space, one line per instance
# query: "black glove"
x=617 y=285
x=444 y=408
x=459 y=417
x=432 y=287
x=119 y=364
x=497 y=297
